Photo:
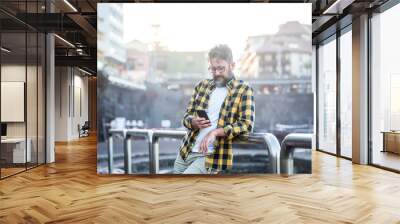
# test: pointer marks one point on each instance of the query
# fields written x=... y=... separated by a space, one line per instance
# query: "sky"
x=200 y=26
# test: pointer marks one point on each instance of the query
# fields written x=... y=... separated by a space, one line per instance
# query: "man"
x=229 y=103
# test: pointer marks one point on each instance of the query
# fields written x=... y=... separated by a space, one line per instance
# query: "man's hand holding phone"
x=200 y=123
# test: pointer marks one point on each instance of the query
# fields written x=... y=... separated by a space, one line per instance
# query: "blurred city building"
x=138 y=61
x=279 y=62
x=111 y=51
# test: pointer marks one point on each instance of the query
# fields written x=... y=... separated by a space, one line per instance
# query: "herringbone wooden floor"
x=70 y=191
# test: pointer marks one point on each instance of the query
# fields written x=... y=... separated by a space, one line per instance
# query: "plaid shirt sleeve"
x=246 y=112
x=190 y=111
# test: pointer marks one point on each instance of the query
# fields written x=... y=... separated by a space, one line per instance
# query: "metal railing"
x=126 y=135
x=289 y=144
x=152 y=136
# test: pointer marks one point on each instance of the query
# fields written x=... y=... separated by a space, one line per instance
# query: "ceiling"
x=332 y=15
x=76 y=22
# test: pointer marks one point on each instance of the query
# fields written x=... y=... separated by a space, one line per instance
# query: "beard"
x=222 y=81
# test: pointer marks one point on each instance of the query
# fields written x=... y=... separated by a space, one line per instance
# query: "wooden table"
x=391 y=141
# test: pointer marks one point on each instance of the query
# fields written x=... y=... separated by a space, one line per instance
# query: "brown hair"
x=221 y=51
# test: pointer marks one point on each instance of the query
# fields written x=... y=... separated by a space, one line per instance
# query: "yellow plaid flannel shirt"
x=236 y=118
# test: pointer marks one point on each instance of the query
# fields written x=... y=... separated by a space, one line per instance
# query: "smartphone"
x=203 y=114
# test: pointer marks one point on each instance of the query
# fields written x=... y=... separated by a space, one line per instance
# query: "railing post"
x=274 y=151
x=128 y=154
x=152 y=162
x=287 y=164
x=156 y=154
x=289 y=144
x=110 y=154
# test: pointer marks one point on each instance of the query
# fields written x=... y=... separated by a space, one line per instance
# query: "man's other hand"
x=207 y=141
x=200 y=123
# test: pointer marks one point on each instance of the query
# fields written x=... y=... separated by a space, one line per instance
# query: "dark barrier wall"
x=277 y=113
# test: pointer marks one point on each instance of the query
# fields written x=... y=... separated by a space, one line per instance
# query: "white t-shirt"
x=217 y=97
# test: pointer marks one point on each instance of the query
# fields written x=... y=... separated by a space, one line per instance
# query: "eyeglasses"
x=216 y=68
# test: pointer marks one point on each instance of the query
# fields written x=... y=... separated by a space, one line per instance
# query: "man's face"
x=221 y=70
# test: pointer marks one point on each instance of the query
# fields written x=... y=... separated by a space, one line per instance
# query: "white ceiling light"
x=65 y=41
x=338 y=6
x=86 y=72
x=70 y=5
x=5 y=50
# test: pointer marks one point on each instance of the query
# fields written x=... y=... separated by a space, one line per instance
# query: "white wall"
x=33 y=126
x=61 y=103
x=71 y=87
x=12 y=73
x=79 y=117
